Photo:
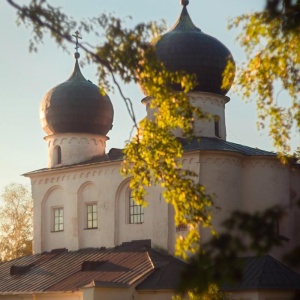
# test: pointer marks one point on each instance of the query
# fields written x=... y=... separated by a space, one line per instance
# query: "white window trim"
x=128 y=206
x=53 y=209
x=86 y=204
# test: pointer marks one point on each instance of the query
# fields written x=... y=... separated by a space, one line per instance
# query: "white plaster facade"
x=75 y=188
x=212 y=105
x=238 y=181
x=72 y=188
x=69 y=148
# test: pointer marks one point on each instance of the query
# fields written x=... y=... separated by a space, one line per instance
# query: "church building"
x=92 y=241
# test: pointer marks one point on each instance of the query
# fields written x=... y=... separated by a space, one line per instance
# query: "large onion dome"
x=186 y=48
x=76 y=106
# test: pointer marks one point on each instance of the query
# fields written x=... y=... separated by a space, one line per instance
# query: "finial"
x=77 y=36
x=184 y=2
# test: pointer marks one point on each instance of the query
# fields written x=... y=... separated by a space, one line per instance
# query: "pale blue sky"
x=25 y=77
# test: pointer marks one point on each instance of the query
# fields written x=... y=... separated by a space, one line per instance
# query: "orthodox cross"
x=77 y=36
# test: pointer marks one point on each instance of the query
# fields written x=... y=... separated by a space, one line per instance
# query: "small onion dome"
x=186 y=48
x=76 y=106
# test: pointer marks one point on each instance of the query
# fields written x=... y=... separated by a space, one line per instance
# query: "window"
x=91 y=216
x=57 y=155
x=136 y=211
x=217 y=126
x=58 y=220
x=281 y=224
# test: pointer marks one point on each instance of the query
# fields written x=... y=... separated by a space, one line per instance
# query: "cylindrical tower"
x=186 y=48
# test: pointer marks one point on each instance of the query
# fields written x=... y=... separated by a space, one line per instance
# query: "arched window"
x=136 y=211
x=57 y=155
x=217 y=126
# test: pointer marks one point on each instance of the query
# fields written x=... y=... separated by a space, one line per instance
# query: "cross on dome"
x=77 y=37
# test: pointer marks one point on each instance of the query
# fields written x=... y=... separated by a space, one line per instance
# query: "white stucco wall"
x=75 y=148
x=101 y=183
x=155 y=226
x=221 y=174
x=55 y=198
x=265 y=184
x=215 y=106
x=251 y=184
x=89 y=194
x=211 y=104
x=236 y=181
x=105 y=179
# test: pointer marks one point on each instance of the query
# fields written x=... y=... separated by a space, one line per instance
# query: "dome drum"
x=72 y=148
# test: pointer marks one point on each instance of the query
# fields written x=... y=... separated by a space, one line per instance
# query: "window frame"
x=136 y=213
x=217 y=126
x=58 y=219
x=93 y=213
x=57 y=155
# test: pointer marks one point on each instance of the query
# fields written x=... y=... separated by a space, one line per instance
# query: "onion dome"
x=76 y=106
x=186 y=48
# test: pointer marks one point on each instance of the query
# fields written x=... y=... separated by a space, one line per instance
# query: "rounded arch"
x=122 y=192
x=64 y=141
x=54 y=198
x=83 y=185
x=57 y=155
x=124 y=183
x=88 y=198
x=55 y=142
x=122 y=188
x=49 y=191
x=132 y=222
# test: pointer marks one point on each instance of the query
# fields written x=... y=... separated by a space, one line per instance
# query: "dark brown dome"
x=186 y=48
x=76 y=106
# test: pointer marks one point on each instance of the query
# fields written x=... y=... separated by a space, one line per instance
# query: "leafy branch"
x=152 y=157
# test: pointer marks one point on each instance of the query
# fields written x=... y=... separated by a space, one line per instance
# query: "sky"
x=26 y=77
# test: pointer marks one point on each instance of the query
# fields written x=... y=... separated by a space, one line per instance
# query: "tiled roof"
x=167 y=273
x=203 y=143
x=62 y=271
x=114 y=154
x=206 y=143
x=265 y=272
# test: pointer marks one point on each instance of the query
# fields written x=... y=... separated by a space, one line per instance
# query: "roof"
x=63 y=271
x=120 y=267
x=167 y=273
x=207 y=143
x=266 y=273
x=201 y=143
